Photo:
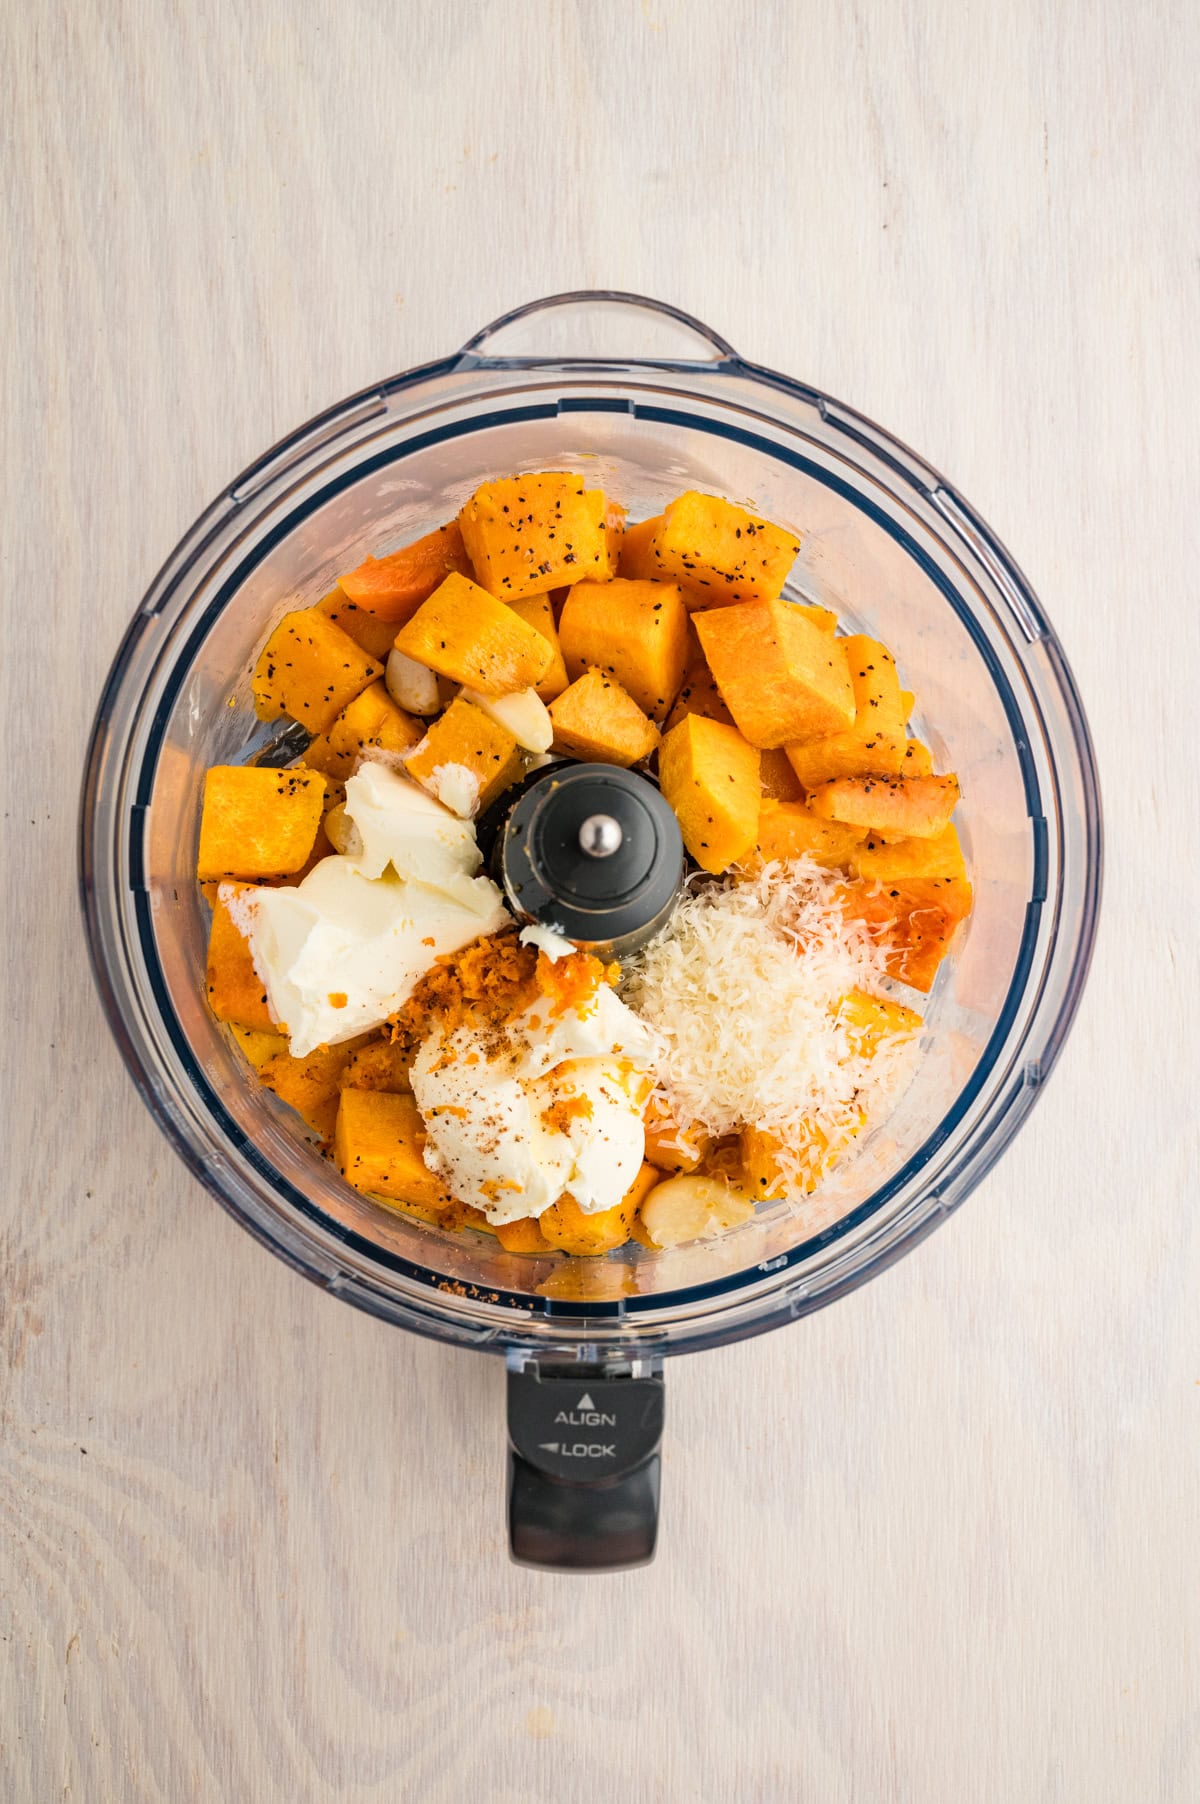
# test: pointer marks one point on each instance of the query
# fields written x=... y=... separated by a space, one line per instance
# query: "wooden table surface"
x=936 y=1544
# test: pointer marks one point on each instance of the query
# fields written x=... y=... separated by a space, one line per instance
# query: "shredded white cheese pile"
x=742 y=987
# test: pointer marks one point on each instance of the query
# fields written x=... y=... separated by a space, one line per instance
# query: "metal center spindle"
x=600 y=836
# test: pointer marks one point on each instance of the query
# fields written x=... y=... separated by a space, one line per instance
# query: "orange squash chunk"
x=892 y=807
x=537 y=611
x=825 y=618
x=779 y=780
x=668 y=1148
x=258 y=1044
x=699 y=694
x=525 y=534
x=878 y=698
x=235 y=992
x=472 y=748
x=524 y=1236
x=372 y=722
x=916 y=920
x=710 y=776
x=380 y=1065
x=870 y=1020
x=392 y=588
x=638 y=563
x=728 y=554
x=782 y=678
x=465 y=634
x=918 y=759
x=847 y=755
x=597 y=721
x=635 y=561
x=615 y=516
x=258 y=822
x=378 y=1146
x=788 y=830
x=311 y=1085
x=566 y=1226
x=761 y=1172
x=634 y=631
x=369 y=633
x=895 y=861
x=309 y=668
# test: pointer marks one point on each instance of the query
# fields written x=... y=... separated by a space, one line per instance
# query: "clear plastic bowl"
x=646 y=402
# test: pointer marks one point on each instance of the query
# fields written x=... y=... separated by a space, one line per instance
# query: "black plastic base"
x=583 y=1469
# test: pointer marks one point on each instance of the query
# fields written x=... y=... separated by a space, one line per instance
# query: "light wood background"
x=937 y=1544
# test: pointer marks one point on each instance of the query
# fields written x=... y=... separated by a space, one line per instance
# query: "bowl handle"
x=599 y=326
x=583 y=1465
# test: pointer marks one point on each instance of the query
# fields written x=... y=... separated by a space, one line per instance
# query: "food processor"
x=645 y=401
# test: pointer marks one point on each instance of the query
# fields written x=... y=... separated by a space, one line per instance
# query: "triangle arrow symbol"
x=585 y=1402
x=547 y=1446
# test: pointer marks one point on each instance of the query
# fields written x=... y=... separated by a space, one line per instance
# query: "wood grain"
x=936 y=1544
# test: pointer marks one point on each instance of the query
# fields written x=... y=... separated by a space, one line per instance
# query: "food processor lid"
x=592 y=851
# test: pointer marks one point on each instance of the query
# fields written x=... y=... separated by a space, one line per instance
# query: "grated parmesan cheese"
x=742 y=987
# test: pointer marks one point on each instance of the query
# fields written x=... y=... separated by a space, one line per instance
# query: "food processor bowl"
x=645 y=401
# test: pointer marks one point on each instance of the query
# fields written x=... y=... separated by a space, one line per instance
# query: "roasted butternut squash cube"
x=895 y=861
x=371 y=725
x=234 y=990
x=720 y=549
x=782 y=678
x=779 y=781
x=878 y=698
x=638 y=563
x=635 y=561
x=309 y=668
x=710 y=776
x=891 y=807
x=311 y=1085
x=790 y=830
x=817 y=761
x=392 y=588
x=585 y=1235
x=465 y=634
x=524 y=1236
x=525 y=534
x=668 y=1147
x=648 y=1176
x=699 y=694
x=876 y=744
x=762 y=1172
x=379 y=1065
x=537 y=611
x=368 y=631
x=597 y=721
x=870 y=1020
x=908 y=702
x=258 y=822
x=918 y=759
x=462 y=1215
x=915 y=920
x=259 y=1045
x=634 y=631
x=465 y=759
x=615 y=516
x=825 y=618
x=378 y=1146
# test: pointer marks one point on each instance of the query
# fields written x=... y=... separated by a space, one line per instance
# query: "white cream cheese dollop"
x=557 y=1108
x=341 y=951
